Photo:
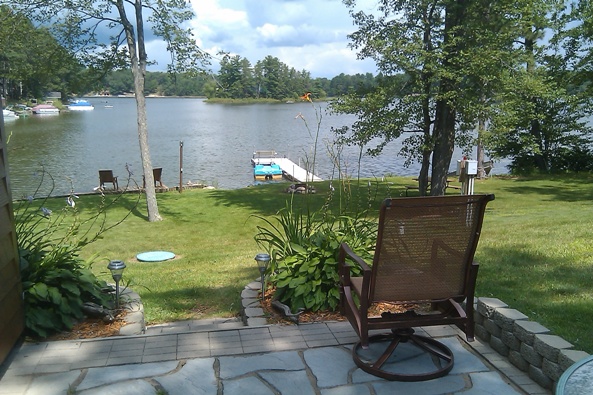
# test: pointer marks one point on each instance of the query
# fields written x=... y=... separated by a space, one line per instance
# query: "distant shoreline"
x=217 y=100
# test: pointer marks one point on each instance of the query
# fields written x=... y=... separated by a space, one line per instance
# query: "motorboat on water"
x=80 y=105
x=45 y=109
x=8 y=114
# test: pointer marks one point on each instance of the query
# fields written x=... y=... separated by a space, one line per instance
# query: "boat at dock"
x=263 y=157
x=269 y=161
x=8 y=114
x=80 y=105
x=45 y=109
x=268 y=171
x=264 y=166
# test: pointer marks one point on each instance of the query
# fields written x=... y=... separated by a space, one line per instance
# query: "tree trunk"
x=444 y=131
x=149 y=189
x=539 y=157
x=428 y=144
x=138 y=58
x=480 y=149
x=445 y=115
x=535 y=127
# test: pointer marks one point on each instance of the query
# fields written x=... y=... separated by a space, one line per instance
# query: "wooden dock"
x=294 y=172
x=291 y=170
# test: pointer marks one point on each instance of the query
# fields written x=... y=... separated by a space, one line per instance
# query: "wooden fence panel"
x=11 y=305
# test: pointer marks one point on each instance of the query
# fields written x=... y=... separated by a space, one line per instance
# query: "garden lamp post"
x=117 y=270
x=262 y=263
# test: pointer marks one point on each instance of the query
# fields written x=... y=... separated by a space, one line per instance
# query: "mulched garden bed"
x=90 y=328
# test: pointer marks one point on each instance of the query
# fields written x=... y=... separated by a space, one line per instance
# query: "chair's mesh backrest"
x=425 y=246
x=106 y=175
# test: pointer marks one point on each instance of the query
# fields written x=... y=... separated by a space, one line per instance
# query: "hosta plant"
x=304 y=250
x=56 y=281
x=304 y=244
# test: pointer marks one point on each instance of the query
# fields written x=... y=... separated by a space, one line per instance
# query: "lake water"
x=218 y=143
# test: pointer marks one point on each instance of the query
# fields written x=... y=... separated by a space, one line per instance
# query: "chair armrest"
x=344 y=273
x=344 y=268
x=346 y=251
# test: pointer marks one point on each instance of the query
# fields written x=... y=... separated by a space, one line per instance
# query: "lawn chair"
x=423 y=271
x=157 y=173
x=486 y=168
x=106 y=176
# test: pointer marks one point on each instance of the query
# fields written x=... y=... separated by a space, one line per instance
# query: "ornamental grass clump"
x=304 y=247
x=304 y=244
x=56 y=281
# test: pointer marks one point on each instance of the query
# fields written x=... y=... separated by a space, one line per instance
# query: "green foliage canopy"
x=466 y=63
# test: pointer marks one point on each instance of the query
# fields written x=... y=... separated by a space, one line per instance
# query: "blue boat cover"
x=267 y=169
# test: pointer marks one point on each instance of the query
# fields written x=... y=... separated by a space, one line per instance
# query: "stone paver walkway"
x=222 y=357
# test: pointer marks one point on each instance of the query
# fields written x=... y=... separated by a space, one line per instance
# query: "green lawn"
x=535 y=251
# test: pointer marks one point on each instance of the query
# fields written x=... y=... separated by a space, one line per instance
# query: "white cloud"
x=304 y=34
x=274 y=34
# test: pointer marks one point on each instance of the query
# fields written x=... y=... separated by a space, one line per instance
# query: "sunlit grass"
x=535 y=251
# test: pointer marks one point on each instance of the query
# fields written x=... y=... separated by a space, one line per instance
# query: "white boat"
x=9 y=114
x=45 y=109
x=80 y=105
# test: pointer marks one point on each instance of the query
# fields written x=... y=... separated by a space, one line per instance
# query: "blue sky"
x=304 y=34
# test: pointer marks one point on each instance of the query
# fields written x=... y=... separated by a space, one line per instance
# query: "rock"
x=284 y=309
x=95 y=310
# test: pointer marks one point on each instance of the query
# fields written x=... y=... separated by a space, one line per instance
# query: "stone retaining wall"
x=527 y=345
x=134 y=318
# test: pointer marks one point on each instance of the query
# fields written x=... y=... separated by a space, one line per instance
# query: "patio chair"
x=157 y=173
x=106 y=176
x=486 y=168
x=421 y=274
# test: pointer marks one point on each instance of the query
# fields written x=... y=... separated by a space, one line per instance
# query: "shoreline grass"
x=534 y=252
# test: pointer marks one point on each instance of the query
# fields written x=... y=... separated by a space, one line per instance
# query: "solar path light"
x=262 y=263
x=117 y=270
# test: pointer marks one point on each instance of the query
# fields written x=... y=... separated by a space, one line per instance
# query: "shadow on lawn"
x=269 y=199
x=192 y=303
x=512 y=269
x=210 y=285
x=565 y=188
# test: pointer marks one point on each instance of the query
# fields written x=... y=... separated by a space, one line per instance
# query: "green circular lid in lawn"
x=155 y=256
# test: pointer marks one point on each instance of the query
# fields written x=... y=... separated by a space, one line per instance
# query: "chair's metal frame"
x=412 y=263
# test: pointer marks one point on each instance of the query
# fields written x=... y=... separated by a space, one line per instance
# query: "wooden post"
x=181 y=166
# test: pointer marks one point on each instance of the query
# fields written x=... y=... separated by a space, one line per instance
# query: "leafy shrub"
x=56 y=281
x=305 y=245
x=304 y=248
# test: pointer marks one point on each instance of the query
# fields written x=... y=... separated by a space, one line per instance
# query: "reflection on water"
x=218 y=142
